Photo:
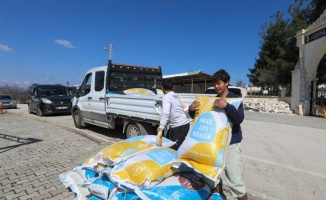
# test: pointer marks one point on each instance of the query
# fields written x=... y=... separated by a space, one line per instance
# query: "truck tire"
x=78 y=119
x=132 y=130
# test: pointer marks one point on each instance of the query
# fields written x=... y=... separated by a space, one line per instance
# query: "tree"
x=239 y=83
x=297 y=23
x=16 y=92
x=273 y=68
x=314 y=9
x=278 y=51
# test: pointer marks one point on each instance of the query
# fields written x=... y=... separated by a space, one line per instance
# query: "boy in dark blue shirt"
x=233 y=162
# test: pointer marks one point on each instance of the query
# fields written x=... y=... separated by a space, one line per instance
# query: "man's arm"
x=166 y=104
x=236 y=116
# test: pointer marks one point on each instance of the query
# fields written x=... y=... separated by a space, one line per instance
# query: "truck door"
x=85 y=96
x=98 y=97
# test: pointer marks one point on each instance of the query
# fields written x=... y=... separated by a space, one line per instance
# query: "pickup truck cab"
x=119 y=94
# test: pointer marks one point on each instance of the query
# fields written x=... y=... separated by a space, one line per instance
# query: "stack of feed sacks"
x=136 y=168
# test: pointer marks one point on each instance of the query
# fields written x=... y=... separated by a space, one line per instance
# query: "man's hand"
x=159 y=137
x=194 y=105
x=160 y=129
x=220 y=103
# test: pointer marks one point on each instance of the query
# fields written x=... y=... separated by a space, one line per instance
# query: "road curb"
x=98 y=140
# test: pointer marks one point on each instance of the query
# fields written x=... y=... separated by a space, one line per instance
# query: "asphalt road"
x=284 y=156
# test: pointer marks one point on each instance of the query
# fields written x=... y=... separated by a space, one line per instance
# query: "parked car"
x=72 y=90
x=48 y=99
x=7 y=101
x=236 y=90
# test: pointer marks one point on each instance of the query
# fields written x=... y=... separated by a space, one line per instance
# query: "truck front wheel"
x=132 y=130
x=78 y=120
x=29 y=109
x=39 y=111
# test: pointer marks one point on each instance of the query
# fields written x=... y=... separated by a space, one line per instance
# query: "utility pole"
x=110 y=51
x=110 y=54
x=50 y=79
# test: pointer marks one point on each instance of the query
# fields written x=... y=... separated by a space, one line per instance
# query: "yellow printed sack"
x=125 y=149
x=130 y=147
x=205 y=146
x=144 y=170
x=95 y=161
x=139 y=91
x=206 y=104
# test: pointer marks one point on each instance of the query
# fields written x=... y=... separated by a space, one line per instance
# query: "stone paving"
x=33 y=154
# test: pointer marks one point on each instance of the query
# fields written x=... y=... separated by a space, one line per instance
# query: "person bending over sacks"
x=173 y=114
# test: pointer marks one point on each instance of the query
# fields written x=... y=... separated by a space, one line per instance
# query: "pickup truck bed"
x=136 y=107
x=142 y=108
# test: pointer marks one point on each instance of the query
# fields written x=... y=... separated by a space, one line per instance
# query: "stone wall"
x=268 y=105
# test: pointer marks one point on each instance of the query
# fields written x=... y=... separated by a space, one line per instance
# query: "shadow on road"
x=114 y=133
x=53 y=115
x=20 y=141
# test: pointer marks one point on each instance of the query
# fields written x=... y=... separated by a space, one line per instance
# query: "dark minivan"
x=48 y=99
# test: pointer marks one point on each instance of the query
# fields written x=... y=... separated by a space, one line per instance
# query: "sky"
x=57 y=41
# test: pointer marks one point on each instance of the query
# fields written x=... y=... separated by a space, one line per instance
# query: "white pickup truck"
x=120 y=94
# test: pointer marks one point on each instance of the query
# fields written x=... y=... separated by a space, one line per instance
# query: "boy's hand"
x=220 y=102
